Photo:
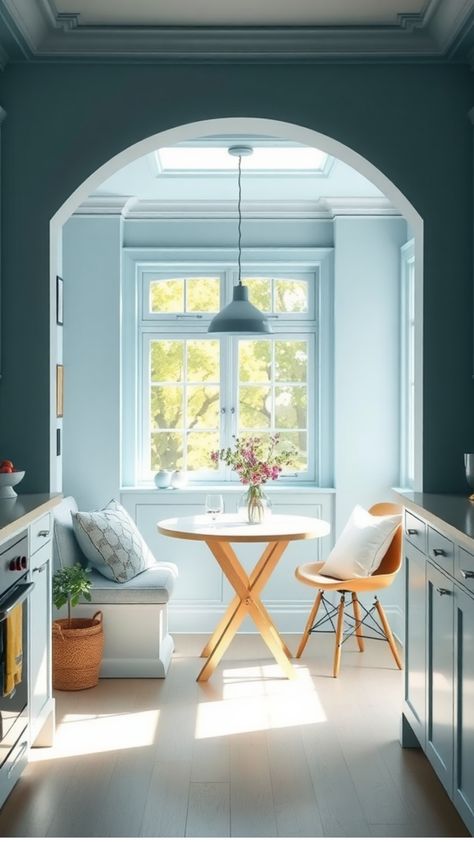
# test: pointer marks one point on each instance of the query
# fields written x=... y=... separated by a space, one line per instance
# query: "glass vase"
x=254 y=505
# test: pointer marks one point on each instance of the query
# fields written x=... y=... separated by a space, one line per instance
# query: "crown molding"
x=145 y=209
x=104 y=205
x=443 y=31
x=353 y=206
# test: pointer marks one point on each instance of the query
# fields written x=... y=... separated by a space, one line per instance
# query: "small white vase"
x=162 y=479
x=179 y=479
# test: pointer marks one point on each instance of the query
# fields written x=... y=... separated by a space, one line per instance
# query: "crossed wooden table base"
x=277 y=532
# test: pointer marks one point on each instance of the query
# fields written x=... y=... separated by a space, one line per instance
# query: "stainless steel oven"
x=14 y=621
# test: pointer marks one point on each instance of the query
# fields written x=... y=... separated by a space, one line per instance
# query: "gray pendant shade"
x=240 y=316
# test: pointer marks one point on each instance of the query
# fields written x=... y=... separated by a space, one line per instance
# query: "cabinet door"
x=415 y=640
x=464 y=707
x=40 y=636
x=440 y=678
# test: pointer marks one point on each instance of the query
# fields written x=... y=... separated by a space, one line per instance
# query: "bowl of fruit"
x=9 y=476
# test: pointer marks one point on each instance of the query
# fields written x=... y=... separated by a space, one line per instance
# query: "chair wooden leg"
x=339 y=636
x=309 y=624
x=358 y=627
x=388 y=634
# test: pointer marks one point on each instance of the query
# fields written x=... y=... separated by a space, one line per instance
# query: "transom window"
x=196 y=391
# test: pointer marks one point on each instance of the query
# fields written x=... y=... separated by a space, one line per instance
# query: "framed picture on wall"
x=59 y=301
x=59 y=391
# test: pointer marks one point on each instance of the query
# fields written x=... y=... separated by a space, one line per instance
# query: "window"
x=216 y=159
x=408 y=366
x=195 y=391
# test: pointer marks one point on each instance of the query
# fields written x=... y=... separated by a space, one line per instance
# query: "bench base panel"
x=137 y=643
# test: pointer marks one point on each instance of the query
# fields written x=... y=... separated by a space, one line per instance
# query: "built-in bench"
x=137 y=641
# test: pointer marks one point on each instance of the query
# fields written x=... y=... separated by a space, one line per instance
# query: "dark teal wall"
x=64 y=121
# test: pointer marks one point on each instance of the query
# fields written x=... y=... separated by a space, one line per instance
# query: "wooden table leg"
x=246 y=602
x=232 y=607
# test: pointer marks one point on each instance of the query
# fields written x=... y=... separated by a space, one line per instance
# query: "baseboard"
x=289 y=617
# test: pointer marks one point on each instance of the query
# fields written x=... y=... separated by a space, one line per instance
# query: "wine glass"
x=214 y=505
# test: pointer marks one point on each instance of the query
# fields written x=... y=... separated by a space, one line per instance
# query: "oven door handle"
x=20 y=594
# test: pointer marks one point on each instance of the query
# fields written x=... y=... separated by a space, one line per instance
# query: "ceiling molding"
x=443 y=31
x=104 y=205
x=145 y=209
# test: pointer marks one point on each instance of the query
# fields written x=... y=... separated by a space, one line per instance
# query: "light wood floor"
x=249 y=754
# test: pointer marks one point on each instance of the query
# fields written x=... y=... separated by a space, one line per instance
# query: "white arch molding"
x=233 y=125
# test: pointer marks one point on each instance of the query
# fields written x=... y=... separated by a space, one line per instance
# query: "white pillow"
x=361 y=546
x=112 y=543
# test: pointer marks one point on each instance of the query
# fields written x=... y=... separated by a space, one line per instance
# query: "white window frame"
x=408 y=358
x=138 y=325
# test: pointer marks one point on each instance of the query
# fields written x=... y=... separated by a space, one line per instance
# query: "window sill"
x=226 y=488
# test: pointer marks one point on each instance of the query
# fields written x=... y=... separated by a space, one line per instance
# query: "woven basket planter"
x=77 y=653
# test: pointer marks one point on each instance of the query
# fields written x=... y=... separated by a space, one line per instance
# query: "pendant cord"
x=240 y=220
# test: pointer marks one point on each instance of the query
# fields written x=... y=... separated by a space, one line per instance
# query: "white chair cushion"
x=361 y=546
x=112 y=543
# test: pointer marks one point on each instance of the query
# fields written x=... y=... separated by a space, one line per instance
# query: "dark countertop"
x=17 y=513
x=445 y=511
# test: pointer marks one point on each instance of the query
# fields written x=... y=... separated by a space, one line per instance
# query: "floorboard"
x=247 y=754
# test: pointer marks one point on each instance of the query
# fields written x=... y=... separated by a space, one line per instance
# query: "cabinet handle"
x=412 y=531
x=39 y=569
x=43 y=533
x=467 y=574
x=439 y=552
x=443 y=591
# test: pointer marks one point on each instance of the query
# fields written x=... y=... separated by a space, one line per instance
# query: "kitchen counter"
x=17 y=513
x=445 y=511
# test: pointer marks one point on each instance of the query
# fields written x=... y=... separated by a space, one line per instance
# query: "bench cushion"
x=153 y=586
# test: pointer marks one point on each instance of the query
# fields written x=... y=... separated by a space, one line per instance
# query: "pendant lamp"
x=240 y=316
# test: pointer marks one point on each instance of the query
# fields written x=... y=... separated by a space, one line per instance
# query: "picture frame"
x=59 y=391
x=59 y=301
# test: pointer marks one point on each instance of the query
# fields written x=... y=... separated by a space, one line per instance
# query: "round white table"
x=276 y=533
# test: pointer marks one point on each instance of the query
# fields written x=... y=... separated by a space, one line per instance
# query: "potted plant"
x=77 y=643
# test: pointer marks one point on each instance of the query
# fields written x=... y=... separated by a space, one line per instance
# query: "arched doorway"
x=202 y=129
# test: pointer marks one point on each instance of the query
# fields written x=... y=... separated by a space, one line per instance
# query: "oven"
x=14 y=620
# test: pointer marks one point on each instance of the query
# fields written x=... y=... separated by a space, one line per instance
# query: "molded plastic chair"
x=381 y=578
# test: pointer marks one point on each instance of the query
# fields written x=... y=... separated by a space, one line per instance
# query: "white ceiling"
x=243 y=13
x=248 y=30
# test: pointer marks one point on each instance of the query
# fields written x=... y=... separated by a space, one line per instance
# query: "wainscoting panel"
x=202 y=593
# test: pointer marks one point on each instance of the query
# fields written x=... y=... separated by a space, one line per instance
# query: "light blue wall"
x=223 y=232
x=367 y=360
x=91 y=428
x=367 y=372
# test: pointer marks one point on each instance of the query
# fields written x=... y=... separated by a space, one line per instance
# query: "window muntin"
x=193 y=294
x=182 y=397
x=280 y=295
x=273 y=391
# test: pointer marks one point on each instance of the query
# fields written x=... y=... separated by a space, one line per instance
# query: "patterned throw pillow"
x=112 y=543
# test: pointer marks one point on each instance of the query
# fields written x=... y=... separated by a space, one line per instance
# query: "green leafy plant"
x=69 y=585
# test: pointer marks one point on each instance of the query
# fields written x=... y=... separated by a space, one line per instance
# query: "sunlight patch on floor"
x=258 y=699
x=79 y=734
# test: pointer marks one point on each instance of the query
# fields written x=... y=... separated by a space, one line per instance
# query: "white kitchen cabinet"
x=41 y=699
